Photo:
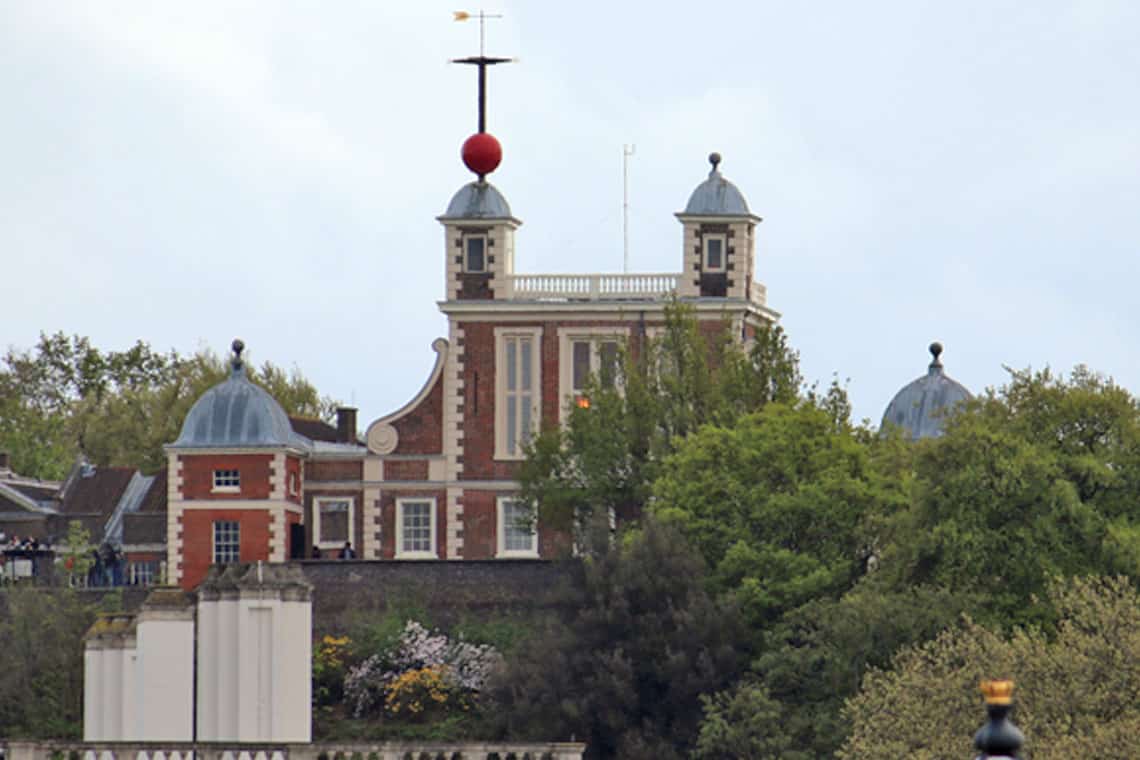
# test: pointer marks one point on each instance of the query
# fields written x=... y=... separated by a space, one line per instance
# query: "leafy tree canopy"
x=604 y=460
x=1075 y=692
x=65 y=398
x=624 y=669
x=1030 y=481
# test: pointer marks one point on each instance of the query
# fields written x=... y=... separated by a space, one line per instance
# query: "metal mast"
x=626 y=152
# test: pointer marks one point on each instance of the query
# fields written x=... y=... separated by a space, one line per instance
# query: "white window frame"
x=567 y=337
x=502 y=335
x=401 y=552
x=486 y=245
x=501 y=531
x=705 y=238
x=224 y=482
x=214 y=540
x=317 y=502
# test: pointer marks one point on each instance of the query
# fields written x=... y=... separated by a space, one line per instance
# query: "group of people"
x=346 y=552
x=25 y=544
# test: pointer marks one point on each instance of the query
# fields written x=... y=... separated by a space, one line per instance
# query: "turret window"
x=475 y=253
x=714 y=253
x=227 y=542
x=227 y=480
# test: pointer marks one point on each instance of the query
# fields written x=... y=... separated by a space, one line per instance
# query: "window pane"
x=512 y=424
x=334 y=521
x=227 y=479
x=227 y=541
x=475 y=250
x=525 y=349
x=608 y=356
x=518 y=533
x=580 y=364
x=416 y=527
x=714 y=253
x=511 y=375
x=524 y=417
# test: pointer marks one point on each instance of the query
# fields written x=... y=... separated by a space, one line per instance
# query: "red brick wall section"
x=405 y=470
x=388 y=520
x=198 y=475
x=335 y=469
x=421 y=430
x=198 y=539
x=479 y=525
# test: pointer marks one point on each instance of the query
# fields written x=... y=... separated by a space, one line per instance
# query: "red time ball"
x=482 y=153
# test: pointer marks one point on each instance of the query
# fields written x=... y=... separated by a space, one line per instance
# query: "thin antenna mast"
x=626 y=152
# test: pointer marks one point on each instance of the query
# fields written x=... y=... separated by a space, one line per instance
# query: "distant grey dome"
x=478 y=200
x=716 y=196
x=237 y=414
x=921 y=406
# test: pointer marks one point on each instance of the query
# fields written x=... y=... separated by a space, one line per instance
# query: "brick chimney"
x=345 y=424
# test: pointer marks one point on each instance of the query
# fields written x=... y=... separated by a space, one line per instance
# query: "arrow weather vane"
x=482 y=61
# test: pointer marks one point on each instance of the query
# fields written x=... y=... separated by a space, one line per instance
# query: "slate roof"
x=314 y=429
x=478 y=200
x=921 y=406
x=236 y=413
x=716 y=196
x=96 y=490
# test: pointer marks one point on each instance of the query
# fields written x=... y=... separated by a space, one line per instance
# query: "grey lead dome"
x=716 y=196
x=921 y=406
x=478 y=200
x=237 y=414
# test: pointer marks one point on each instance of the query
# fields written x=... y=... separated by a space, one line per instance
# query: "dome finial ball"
x=714 y=159
x=935 y=349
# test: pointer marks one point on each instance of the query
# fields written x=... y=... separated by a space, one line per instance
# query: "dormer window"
x=227 y=480
x=475 y=253
x=714 y=253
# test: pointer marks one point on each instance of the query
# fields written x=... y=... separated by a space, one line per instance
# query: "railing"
x=605 y=287
x=64 y=750
x=592 y=287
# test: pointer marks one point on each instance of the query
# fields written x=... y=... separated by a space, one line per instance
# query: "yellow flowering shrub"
x=422 y=692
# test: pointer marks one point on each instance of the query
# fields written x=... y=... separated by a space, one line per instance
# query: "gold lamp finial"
x=997 y=692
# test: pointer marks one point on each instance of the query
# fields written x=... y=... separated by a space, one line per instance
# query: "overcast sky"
x=187 y=172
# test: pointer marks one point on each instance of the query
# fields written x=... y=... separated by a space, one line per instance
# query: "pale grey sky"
x=187 y=172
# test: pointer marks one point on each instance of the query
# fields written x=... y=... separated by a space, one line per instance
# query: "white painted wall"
x=164 y=674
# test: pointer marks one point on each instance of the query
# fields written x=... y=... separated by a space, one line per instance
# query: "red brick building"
x=435 y=479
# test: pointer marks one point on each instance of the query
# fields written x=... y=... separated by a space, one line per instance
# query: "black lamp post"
x=998 y=738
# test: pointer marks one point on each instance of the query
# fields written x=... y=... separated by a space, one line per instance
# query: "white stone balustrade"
x=64 y=750
x=592 y=287
x=603 y=287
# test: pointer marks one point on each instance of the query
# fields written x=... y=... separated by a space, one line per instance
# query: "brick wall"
x=421 y=430
x=198 y=539
x=198 y=475
x=333 y=469
x=447 y=591
x=406 y=470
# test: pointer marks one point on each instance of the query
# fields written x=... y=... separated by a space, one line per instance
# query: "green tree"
x=623 y=669
x=779 y=503
x=1076 y=691
x=65 y=398
x=1033 y=480
x=41 y=682
x=605 y=458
